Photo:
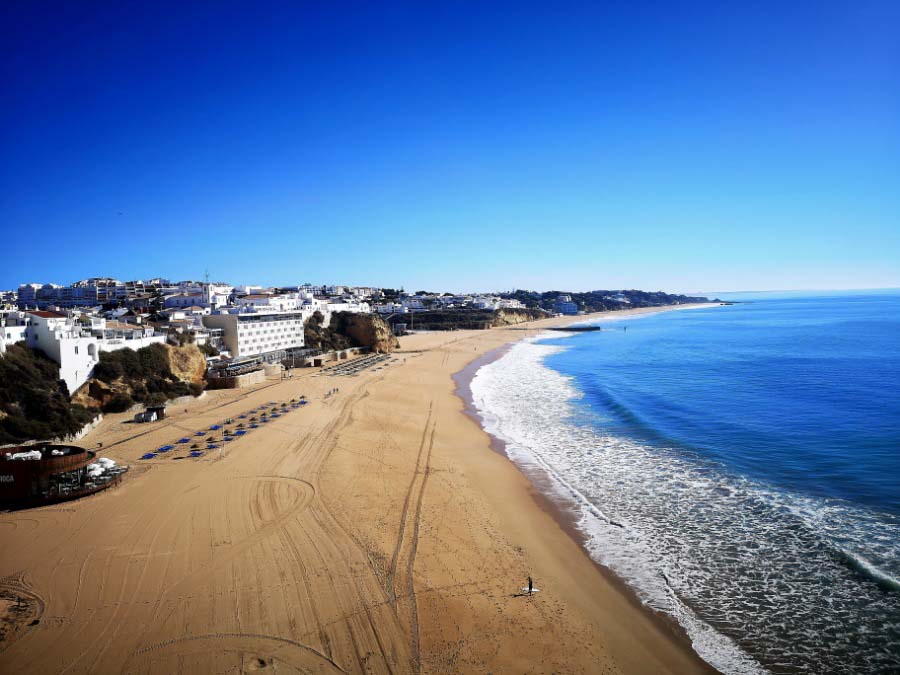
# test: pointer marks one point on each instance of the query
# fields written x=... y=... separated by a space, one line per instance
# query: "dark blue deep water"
x=738 y=466
x=801 y=393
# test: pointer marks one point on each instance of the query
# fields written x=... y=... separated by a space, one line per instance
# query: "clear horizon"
x=513 y=146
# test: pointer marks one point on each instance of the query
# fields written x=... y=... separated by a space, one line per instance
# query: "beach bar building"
x=33 y=475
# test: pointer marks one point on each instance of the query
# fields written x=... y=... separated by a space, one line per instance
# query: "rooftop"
x=46 y=314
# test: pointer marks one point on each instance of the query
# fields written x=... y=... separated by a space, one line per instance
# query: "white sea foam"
x=740 y=566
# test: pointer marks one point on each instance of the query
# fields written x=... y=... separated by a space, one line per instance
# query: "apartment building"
x=259 y=332
x=74 y=345
x=564 y=305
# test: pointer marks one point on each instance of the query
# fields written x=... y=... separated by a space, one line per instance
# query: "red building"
x=32 y=475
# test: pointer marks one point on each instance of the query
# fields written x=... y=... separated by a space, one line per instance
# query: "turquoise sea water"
x=739 y=466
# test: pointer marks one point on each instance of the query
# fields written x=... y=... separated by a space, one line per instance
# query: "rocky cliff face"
x=365 y=330
x=509 y=317
x=187 y=363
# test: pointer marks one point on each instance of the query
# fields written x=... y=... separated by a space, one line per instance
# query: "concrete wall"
x=237 y=382
x=112 y=344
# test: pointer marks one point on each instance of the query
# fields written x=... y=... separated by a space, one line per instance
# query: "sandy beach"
x=373 y=530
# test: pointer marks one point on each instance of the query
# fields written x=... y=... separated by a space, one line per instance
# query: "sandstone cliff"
x=509 y=317
x=365 y=330
x=187 y=363
x=467 y=319
x=150 y=375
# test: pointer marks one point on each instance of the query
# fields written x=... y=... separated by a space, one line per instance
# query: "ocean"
x=737 y=466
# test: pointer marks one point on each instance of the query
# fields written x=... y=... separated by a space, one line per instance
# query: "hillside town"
x=73 y=324
x=235 y=332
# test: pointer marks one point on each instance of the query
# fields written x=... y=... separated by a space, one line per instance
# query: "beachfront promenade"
x=372 y=530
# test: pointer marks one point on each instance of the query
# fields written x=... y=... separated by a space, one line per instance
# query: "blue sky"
x=454 y=145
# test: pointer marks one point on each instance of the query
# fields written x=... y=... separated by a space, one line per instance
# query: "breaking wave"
x=760 y=579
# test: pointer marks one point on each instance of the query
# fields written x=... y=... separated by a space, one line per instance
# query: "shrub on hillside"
x=34 y=402
x=118 y=403
x=146 y=372
x=208 y=350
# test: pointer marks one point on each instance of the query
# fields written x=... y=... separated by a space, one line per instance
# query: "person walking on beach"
x=530 y=586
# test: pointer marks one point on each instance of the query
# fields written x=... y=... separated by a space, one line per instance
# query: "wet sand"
x=371 y=531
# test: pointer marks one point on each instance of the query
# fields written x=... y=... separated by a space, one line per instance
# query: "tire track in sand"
x=414 y=546
x=392 y=570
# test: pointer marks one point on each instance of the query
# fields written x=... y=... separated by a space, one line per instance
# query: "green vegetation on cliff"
x=34 y=402
x=126 y=376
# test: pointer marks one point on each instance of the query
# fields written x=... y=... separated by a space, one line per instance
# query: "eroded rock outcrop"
x=151 y=375
x=187 y=363
x=365 y=330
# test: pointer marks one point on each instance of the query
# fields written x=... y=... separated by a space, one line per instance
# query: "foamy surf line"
x=662 y=523
x=715 y=649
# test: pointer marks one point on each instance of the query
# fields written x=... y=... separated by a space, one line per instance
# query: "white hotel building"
x=260 y=332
